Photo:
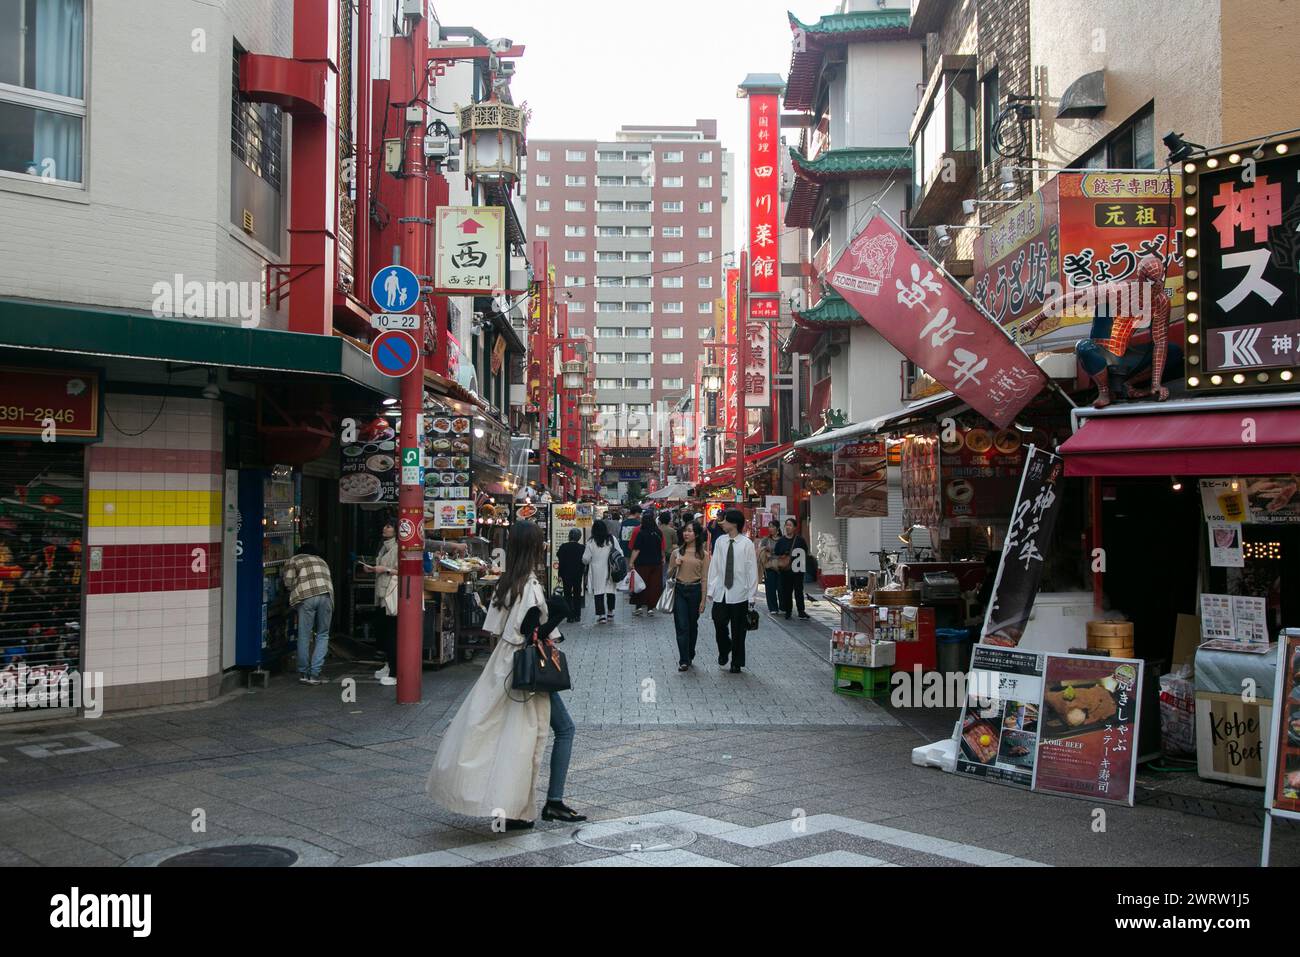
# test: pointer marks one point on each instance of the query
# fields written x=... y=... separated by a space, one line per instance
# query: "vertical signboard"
x=860 y=480
x=731 y=387
x=470 y=249
x=764 y=269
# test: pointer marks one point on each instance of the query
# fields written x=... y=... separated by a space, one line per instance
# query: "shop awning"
x=670 y=492
x=925 y=408
x=727 y=470
x=1188 y=438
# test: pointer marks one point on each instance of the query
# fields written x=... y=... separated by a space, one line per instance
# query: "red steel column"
x=742 y=359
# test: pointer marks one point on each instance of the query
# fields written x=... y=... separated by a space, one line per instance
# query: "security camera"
x=501 y=45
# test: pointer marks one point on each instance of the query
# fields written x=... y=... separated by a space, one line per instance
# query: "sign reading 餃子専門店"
x=911 y=303
x=60 y=403
x=1243 y=262
x=470 y=249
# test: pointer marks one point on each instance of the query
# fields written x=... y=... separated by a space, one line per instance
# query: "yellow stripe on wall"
x=111 y=508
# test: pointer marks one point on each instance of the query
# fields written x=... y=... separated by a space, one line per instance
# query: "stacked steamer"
x=1114 y=638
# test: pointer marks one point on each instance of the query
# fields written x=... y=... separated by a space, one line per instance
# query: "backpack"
x=617 y=565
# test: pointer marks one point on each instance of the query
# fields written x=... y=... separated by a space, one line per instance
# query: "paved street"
x=765 y=768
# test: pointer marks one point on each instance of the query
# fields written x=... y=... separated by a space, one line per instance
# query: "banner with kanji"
x=912 y=304
x=764 y=199
x=731 y=381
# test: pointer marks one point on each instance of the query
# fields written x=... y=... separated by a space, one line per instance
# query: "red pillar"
x=742 y=360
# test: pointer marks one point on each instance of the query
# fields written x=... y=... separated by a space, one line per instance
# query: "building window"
x=543 y=232
x=609 y=332
x=609 y=180
x=706 y=282
x=705 y=182
x=672 y=182
x=671 y=383
x=609 y=307
x=608 y=358
x=672 y=207
x=575 y=206
x=641 y=282
x=577 y=306
x=669 y=307
x=575 y=256
x=576 y=156
x=609 y=206
x=706 y=157
x=543 y=180
x=640 y=181
x=705 y=332
x=673 y=257
x=637 y=332
x=637 y=307
x=543 y=156
x=255 y=128
x=576 y=331
x=671 y=358
x=575 y=280
x=606 y=257
x=609 y=156
x=706 y=207
x=609 y=383
x=673 y=282
x=636 y=384
x=705 y=309
x=673 y=156
x=636 y=408
x=948 y=127
x=637 y=358
x=1132 y=146
x=671 y=232
x=638 y=157
x=575 y=181
x=639 y=207
x=609 y=281
x=704 y=257
x=610 y=231
x=575 y=231
x=543 y=205
x=673 y=332
x=990 y=96
x=642 y=257
x=704 y=232
x=639 y=232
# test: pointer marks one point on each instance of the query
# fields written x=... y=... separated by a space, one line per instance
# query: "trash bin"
x=954 y=649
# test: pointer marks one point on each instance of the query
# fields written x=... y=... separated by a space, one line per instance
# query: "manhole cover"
x=234 y=855
x=627 y=837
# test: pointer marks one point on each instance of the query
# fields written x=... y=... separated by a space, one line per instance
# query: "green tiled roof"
x=831 y=310
x=861 y=22
x=847 y=161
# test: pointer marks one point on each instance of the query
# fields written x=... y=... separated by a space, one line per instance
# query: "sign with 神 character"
x=470 y=249
x=909 y=300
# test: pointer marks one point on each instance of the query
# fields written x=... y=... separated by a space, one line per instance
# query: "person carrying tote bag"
x=689 y=568
x=598 y=557
x=490 y=757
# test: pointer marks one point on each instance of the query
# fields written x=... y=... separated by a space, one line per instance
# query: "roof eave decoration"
x=830 y=312
x=851 y=162
x=801 y=210
x=812 y=40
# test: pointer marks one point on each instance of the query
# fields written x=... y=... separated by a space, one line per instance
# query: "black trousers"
x=602 y=601
x=731 y=623
x=573 y=598
x=386 y=625
x=791 y=588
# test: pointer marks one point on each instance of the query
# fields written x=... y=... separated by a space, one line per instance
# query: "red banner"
x=928 y=319
x=764 y=202
x=62 y=403
x=731 y=382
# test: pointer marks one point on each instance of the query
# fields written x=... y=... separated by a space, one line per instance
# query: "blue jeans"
x=686 y=618
x=772 y=589
x=1135 y=360
x=564 y=728
x=314 y=616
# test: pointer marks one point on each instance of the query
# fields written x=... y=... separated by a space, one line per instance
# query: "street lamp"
x=587 y=405
x=712 y=379
x=575 y=374
x=493 y=133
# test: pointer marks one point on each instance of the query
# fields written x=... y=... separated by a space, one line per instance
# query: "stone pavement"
x=798 y=776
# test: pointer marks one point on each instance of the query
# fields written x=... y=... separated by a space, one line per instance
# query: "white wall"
x=879 y=94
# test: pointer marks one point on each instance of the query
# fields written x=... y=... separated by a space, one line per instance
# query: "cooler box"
x=1232 y=736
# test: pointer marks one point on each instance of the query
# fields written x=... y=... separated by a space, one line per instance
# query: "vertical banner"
x=1028 y=538
x=731 y=387
x=763 y=198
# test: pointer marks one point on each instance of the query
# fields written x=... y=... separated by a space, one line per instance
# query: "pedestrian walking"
x=647 y=560
x=791 y=552
x=491 y=756
x=385 y=571
x=767 y=566
x=613 y=523
x=689 y=569
x=733 y=586
x=599 y=582
x=570 y=559
x=715 y=532
x=669 y=535
x=311 y=595
x=628 y=528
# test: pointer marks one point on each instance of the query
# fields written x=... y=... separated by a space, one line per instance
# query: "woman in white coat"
x=599 y=583
x=490 y=757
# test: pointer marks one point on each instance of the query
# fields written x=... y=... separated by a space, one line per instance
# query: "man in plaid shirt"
x=311 y=594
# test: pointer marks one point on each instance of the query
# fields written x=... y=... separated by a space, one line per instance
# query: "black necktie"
x=730 y=578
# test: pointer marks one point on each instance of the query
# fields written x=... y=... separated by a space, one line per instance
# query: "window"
x=1132 y=146
x=636 y=408
x=671 y=358
x=609 y=280
x=575 y=280
x=609 y=180
x=704 y=232
x=42 y=58
x=639 y=207
x=671 y=383
x=706 y=282
x=705 y=309
x=673 y=282
x=575 y=256
x=640 y=232
x=673 y=257
x=543 y=205
x=704 y=257
x=948 y=127
x=609 y=156
x=672 y=207
x=577 y=331
x=543 y=232
x=638 y=358
x=609 y=231
x=637 y=332
x=706 y=157
x=705 y=332
x=671 y=182
x=575 y=306
x=609 y=257
x=637 y=306
x=609 y=383
x=671 y=232
x=640 y=181
x=576 y=156
x=575 y=231
x=575 y=206
x=609 y=307
x=673 y=156
x=638 y=157
x=609 y=332
x=640 y=257
x=609 y=408
x=705 y=182
x=543 y=156
x=640 y=282
x=706 y=207
x=670 y=307
x=575 y=181
x=609 y=357
x=673 y=332
x=543 y=180
x=636 y=384
x=609 y=206
x=990 y=96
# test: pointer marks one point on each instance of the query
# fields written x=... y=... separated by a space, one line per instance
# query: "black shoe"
x=735 y=670
x=682 y=667
x=787 y=616
x=514 y=825
x=805 y=617
x=559 y=811
x=722 y=659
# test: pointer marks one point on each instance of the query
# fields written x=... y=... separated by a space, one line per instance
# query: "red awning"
x=1246 y=441
x=727 y=471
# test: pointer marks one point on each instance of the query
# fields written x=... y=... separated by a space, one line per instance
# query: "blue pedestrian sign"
x=395 y=289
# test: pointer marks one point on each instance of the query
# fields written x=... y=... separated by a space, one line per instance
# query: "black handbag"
x=540 y=667
x=751 y=620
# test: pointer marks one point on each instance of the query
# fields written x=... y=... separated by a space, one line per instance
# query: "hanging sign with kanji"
x=731 y=381
x=1246 y=293
x=764 y=198
x=757 y=382
x=910 y=302
x=470 y=249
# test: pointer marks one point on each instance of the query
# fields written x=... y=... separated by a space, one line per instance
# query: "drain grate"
x=633 y=837
x=234 y=855
x=1202 y=807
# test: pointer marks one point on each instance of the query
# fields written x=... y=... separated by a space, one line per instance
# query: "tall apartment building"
x=636 y=233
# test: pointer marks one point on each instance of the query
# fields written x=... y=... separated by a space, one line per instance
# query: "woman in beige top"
x=689 y=568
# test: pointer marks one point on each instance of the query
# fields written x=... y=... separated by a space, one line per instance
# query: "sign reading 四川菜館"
x=470 y=249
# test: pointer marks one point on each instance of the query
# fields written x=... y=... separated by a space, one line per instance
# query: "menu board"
x=861 y=489
x=920 y=467
x=494 y=446
x=1256 y=500
x=981 y=472
x=1284 y=760
x=1236 y=617
x=369 y=467
x=448 y=445
x=1088 y=728
x=455 y=515
x=1000 y=719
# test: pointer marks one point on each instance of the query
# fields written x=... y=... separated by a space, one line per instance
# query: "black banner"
x=1021 y=568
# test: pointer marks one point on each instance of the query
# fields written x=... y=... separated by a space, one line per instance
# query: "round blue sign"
x=395 y=353
x=395 y=289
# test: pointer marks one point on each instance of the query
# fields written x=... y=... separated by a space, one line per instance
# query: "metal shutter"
x=42 y=523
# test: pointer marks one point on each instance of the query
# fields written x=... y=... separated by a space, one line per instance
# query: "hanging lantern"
x=575 y=374
x=493 y=136
x=587 y=405
x=712 y=379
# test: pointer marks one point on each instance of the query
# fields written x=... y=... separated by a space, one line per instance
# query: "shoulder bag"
x=540 y=667
x=665 y=603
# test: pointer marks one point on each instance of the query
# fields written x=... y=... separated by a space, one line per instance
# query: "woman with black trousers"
x=569 y=557
x=689 y=568
x=792 y=555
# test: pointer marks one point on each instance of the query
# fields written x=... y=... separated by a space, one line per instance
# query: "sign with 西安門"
x=470 y=255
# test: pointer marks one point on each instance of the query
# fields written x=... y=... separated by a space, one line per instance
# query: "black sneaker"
x=514 y=825
x=559 y=811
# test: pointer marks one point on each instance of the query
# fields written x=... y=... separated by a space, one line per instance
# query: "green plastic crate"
x=874 y=681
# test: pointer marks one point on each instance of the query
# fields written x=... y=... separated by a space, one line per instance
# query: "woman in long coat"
x=599 y=583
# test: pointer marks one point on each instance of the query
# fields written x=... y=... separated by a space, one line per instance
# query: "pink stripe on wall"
x=191 y=461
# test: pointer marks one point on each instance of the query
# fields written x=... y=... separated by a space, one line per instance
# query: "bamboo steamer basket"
x=1110 y=634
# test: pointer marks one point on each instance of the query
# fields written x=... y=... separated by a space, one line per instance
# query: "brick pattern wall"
x=1003 y=37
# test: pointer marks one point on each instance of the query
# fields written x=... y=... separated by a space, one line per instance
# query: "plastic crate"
x=874 y=681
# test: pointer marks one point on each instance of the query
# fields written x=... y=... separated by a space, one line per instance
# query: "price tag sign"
x=392 y=320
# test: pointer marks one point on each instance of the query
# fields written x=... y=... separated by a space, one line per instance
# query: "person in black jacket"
x=792 y=556
x=569 y=556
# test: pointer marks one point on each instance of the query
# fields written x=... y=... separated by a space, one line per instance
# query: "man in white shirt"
x=733 y=586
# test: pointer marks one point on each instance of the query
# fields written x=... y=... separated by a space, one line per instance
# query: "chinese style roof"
x=830 y=312
x=850 y=162
x=801 y=209
x=833 y=30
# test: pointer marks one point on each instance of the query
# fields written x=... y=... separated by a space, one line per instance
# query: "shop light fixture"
x=390 y=401
x=1234 y=158
x=1216 y=380
x=1287 y=375
x=1236 y=486
x=1189 y=210
x=1239 y=378
x=478 y=433
x=1176 y=484
x=1193 y=382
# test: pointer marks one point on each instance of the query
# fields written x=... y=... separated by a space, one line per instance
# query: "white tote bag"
x=638 y=583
